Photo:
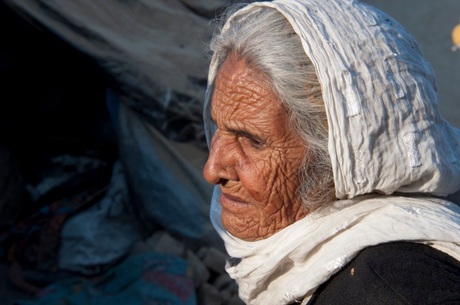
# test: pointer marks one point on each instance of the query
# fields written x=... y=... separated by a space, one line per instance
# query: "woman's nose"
x=220 y=166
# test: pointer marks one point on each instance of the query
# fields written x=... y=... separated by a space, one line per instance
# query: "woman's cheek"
x=255 y=176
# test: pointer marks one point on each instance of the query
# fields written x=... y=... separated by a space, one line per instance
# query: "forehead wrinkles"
x=236 y=86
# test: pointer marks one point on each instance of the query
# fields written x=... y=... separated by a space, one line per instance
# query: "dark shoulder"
x=394 y=273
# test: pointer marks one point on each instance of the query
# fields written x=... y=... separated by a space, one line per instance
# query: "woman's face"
x=255 y=156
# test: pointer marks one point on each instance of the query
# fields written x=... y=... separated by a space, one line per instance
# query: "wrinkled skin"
x=254 y=156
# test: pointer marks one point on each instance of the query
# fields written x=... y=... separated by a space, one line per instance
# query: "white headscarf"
x=386 y=136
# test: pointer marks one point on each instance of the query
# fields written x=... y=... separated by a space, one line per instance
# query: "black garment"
x=394 y=273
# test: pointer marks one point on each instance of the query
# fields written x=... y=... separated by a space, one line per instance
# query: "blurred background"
x=431 y=23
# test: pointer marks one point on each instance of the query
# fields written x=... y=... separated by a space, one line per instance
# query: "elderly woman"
x=330 y=160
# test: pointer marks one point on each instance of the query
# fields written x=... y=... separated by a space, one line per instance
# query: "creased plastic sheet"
x=164 y=177
x=103 y=233
x=145 y=45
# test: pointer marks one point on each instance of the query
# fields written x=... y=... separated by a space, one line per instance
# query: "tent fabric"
x=152 y=51
x=154 y=54
x=164 y=178
x=147 y=46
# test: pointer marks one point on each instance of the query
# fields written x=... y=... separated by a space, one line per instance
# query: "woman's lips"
x=232 y=202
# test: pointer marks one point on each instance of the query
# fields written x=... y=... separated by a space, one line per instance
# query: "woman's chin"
x=237 y=227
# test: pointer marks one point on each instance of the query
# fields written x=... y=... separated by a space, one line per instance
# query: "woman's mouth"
x=232 y=202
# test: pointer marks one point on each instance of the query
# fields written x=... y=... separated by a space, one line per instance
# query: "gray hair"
x=267 y=42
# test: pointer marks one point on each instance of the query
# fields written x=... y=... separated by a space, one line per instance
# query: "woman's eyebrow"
x=244 y=133
x=238 y=132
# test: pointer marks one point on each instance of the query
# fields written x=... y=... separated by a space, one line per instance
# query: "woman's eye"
x=250 y=140
x=255 y=142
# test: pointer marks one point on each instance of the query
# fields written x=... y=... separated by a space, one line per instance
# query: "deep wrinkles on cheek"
x=279 y=190
x=254 y=167
x=247 y=168
x=285 y=181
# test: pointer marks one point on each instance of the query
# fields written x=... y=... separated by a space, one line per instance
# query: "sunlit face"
x=255 y=156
